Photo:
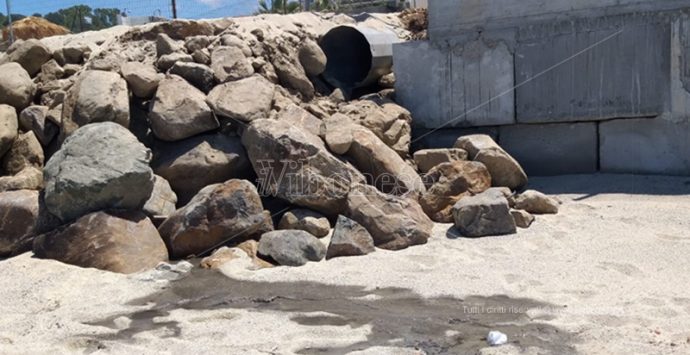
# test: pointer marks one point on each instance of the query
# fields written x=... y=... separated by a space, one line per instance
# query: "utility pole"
x=9 y=19
x=174 y=9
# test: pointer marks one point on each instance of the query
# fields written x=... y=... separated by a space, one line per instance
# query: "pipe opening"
x=349 y=57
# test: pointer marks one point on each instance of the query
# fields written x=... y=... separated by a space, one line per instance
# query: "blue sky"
x=185 y=8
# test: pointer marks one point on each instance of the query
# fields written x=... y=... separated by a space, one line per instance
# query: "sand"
x=610 y=274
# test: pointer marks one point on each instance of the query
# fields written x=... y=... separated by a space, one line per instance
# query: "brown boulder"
x=26 y=152
x=179 y=110
x=536 y=202
x=394 y=222
x=448 y=183
x=523 y=219
x=9 y=127
x=505 y=171
x=18 y=217
x=306 y=220
x=383 y=167
x=294 y=165
x=117 y=241
x=30 y=178
x=426 y=159
x=388 y=120
x=229 y=64
x=96 y=96
x=218 y=214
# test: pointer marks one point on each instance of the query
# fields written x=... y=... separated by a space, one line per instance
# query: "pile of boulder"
x=194 y=138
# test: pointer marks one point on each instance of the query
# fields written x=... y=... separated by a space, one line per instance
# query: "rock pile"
x=167 y=140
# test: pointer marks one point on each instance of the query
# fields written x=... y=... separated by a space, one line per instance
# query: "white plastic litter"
x=496 y=338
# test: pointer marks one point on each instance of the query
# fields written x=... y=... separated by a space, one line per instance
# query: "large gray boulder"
x=9 y=127
x=336 y=130
x=96 y=96
x=31 y=54
x=16 y=87
x=385 y=168
x=450 y=182
x=35 y=118
x=505 y=171
x=199 y=75
x=292 y=75
x=166 y=45
x=349 y=239
x=194 y=163
x=229 y=63
x=291 y=247
x=179 y=111
x=485 y=214
x=101 y=166
x=312 y=58
x=245 y=100
x=142 y=78
x=196 y=43
x=394 y=222
x=218 y=214
x=298 y=116
x=117 y=241
x=294 y=165
x=167 y=61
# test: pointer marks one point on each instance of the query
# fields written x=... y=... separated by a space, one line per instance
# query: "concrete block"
x=482 y=81
x=448 y=18
x=445 y=138
x=626 y=75
x=468 y=85
x=680 y=68
x=421 y=81
x=646 y=146
x=552 y=149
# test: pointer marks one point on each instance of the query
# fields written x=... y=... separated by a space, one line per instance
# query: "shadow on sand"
x=595 y=184
x=398 y=317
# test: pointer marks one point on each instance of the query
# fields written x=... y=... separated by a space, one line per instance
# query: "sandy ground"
x=610 y=274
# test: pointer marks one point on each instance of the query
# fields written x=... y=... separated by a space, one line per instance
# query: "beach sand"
x=610 y=274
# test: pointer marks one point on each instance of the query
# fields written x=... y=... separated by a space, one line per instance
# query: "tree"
x=80 y=18
x=279 y=7
x=4 y=20
x=104 y=18
x=324 y=5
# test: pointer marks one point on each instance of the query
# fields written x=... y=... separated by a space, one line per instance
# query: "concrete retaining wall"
x=565 y=91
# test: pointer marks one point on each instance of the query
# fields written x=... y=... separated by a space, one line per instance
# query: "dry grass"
x=34 y=27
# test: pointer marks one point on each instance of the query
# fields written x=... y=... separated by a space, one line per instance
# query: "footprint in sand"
x=625 y=269
x=673 y=238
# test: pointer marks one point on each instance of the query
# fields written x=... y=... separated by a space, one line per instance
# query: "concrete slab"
x=648 y=146
x=466 y=86
x=482 y=81
x=594 y=73
x=552 y=149
x=448 y=18
x=421 y=81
